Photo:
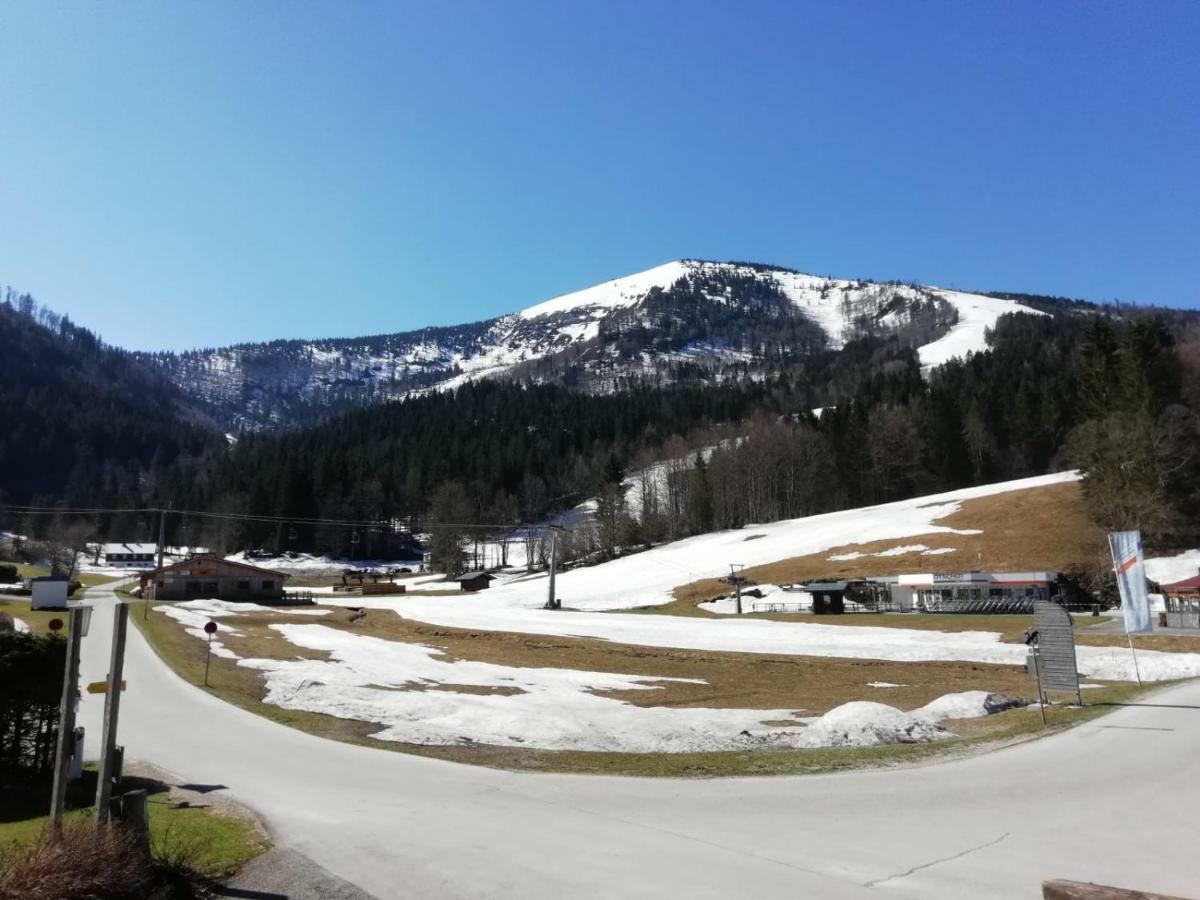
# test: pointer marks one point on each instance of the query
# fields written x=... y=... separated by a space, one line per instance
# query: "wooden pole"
x=112 y=708
x=162 y=530
x=66 y=719
x=552 y=601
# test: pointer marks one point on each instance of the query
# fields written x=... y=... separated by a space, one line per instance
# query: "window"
x=210 y=587
x=268 y=584
x=243 y=585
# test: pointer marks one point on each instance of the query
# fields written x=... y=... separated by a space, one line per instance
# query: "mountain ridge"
x=683 y=319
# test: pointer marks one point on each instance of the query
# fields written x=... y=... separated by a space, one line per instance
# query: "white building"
x=130 y=556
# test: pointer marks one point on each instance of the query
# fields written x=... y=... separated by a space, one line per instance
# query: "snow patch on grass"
x=395 y=684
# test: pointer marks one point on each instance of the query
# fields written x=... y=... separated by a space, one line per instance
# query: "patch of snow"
x=613 y=294
x=193 y=615
x=409 y=690
x=1169 y=569
x=846 y=557
x=937 y=551
x=901 y=550
x=884 y=684
x=20 y=627
x=976 y=314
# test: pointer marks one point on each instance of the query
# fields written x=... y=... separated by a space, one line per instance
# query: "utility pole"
x=552 y=601
x=162 y=530
x=737 y=585
x=66 y=719
x=112 y=706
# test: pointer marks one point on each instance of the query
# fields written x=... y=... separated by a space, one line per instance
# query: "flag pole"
x=1134 y=654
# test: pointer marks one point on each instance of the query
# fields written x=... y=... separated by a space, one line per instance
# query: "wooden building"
x=1183 y=603
x=474 y=581
x=213 y=578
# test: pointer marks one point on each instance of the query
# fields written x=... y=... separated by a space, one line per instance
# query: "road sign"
x=210 y=627
x=101 y=687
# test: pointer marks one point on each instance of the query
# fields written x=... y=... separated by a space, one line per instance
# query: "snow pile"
x=884 y=684
x=1170 y=569
x=419 y=696
x=20 y=627
x=863 y=723
x=965 y=705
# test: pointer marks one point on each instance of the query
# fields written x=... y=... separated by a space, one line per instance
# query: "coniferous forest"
x=1113 y=392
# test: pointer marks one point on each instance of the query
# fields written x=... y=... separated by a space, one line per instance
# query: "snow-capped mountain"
x=687 y=318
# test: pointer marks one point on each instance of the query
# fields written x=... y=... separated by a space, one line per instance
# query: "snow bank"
x=20 y=627
x=863 y=723
x=419 y=696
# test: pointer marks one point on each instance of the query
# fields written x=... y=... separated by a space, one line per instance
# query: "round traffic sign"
x=210 y=627
x=55 y=625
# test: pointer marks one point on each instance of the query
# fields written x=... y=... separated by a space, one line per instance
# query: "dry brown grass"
x=1034 y=529
x=793 y=683
x=80 y=860
x=731 y=680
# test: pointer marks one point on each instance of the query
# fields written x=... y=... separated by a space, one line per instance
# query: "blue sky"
x=176 y=175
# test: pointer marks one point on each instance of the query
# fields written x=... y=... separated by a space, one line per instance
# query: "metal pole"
x=1135 y=665
x=737 y=587
x=552 y=602
x=66 y=719
x=112 y=707
x=1037 y=671
x=207 y=658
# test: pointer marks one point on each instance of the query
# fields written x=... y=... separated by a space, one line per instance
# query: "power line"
x=250 y=517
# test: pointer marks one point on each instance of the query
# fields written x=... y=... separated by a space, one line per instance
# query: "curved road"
x=1115 y=801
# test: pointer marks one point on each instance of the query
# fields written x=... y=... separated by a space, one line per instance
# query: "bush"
x=8 y=574
x=83 y=862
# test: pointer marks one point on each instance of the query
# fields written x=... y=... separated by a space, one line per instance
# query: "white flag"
x=1126 y=547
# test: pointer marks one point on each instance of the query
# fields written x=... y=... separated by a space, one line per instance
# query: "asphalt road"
x=1114 y=802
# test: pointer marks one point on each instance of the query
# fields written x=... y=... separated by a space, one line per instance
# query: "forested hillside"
x=1113 y=391
x=83 y=423
x=1116 y=397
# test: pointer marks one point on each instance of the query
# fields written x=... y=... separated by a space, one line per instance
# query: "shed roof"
x=213 y=558
x=1188 y=585
x=130 y=548
x=475 y=576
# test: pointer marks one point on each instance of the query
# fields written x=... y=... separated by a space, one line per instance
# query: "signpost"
x=210 y=628
x=112 y=708
x=66 y=715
